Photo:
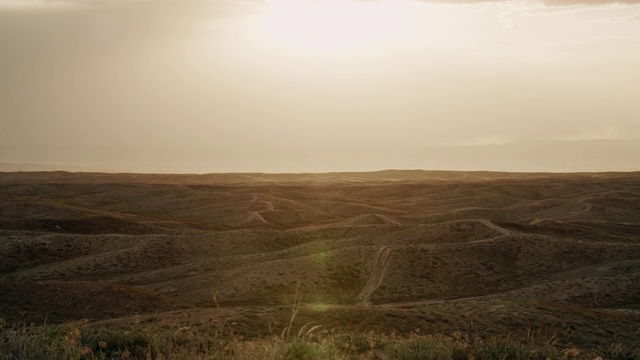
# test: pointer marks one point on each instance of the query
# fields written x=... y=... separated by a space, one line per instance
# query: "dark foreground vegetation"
x=79 y=341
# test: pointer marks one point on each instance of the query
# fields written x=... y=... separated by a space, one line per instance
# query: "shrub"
x=422 y=347
x=116 y=342
x=304 y=350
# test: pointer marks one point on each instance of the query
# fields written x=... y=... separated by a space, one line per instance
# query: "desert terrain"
x=477 y=253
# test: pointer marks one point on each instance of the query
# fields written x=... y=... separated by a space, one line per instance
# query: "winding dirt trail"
x=380 y=266
x=495 y=227
x=504 y=232
x=268 y=203
x=381 y=263
x=255 y=216
x=388 y=220
x=587 y=207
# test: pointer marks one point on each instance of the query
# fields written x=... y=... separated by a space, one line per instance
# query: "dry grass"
x=77 y=341
x=179 y=341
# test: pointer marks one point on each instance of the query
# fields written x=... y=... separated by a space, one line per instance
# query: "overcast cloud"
x=211 y=84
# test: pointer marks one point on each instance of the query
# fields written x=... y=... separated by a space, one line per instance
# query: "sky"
x=309 y=85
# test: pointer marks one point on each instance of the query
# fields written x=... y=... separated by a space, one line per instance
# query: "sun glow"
x=336 y=26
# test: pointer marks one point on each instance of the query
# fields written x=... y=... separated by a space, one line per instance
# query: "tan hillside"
x=440 y=251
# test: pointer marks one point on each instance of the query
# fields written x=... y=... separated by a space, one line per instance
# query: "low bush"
x=79 y=341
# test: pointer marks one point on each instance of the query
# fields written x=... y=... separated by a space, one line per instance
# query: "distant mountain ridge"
x=522 y=156
x=544 y=156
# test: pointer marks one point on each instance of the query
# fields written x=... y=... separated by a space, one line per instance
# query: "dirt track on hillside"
x=379 y=246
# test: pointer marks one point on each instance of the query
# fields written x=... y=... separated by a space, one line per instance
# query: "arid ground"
x=477 y=253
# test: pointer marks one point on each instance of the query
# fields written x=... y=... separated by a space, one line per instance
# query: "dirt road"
x=380 y=266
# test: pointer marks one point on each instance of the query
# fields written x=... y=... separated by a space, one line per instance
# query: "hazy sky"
x=294 y=85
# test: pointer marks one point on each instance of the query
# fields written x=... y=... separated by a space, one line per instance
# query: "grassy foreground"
x=81 y=341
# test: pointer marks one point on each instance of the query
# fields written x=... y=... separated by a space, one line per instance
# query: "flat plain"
x=480 y=253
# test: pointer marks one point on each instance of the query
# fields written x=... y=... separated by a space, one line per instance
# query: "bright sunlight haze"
x=320 y=85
